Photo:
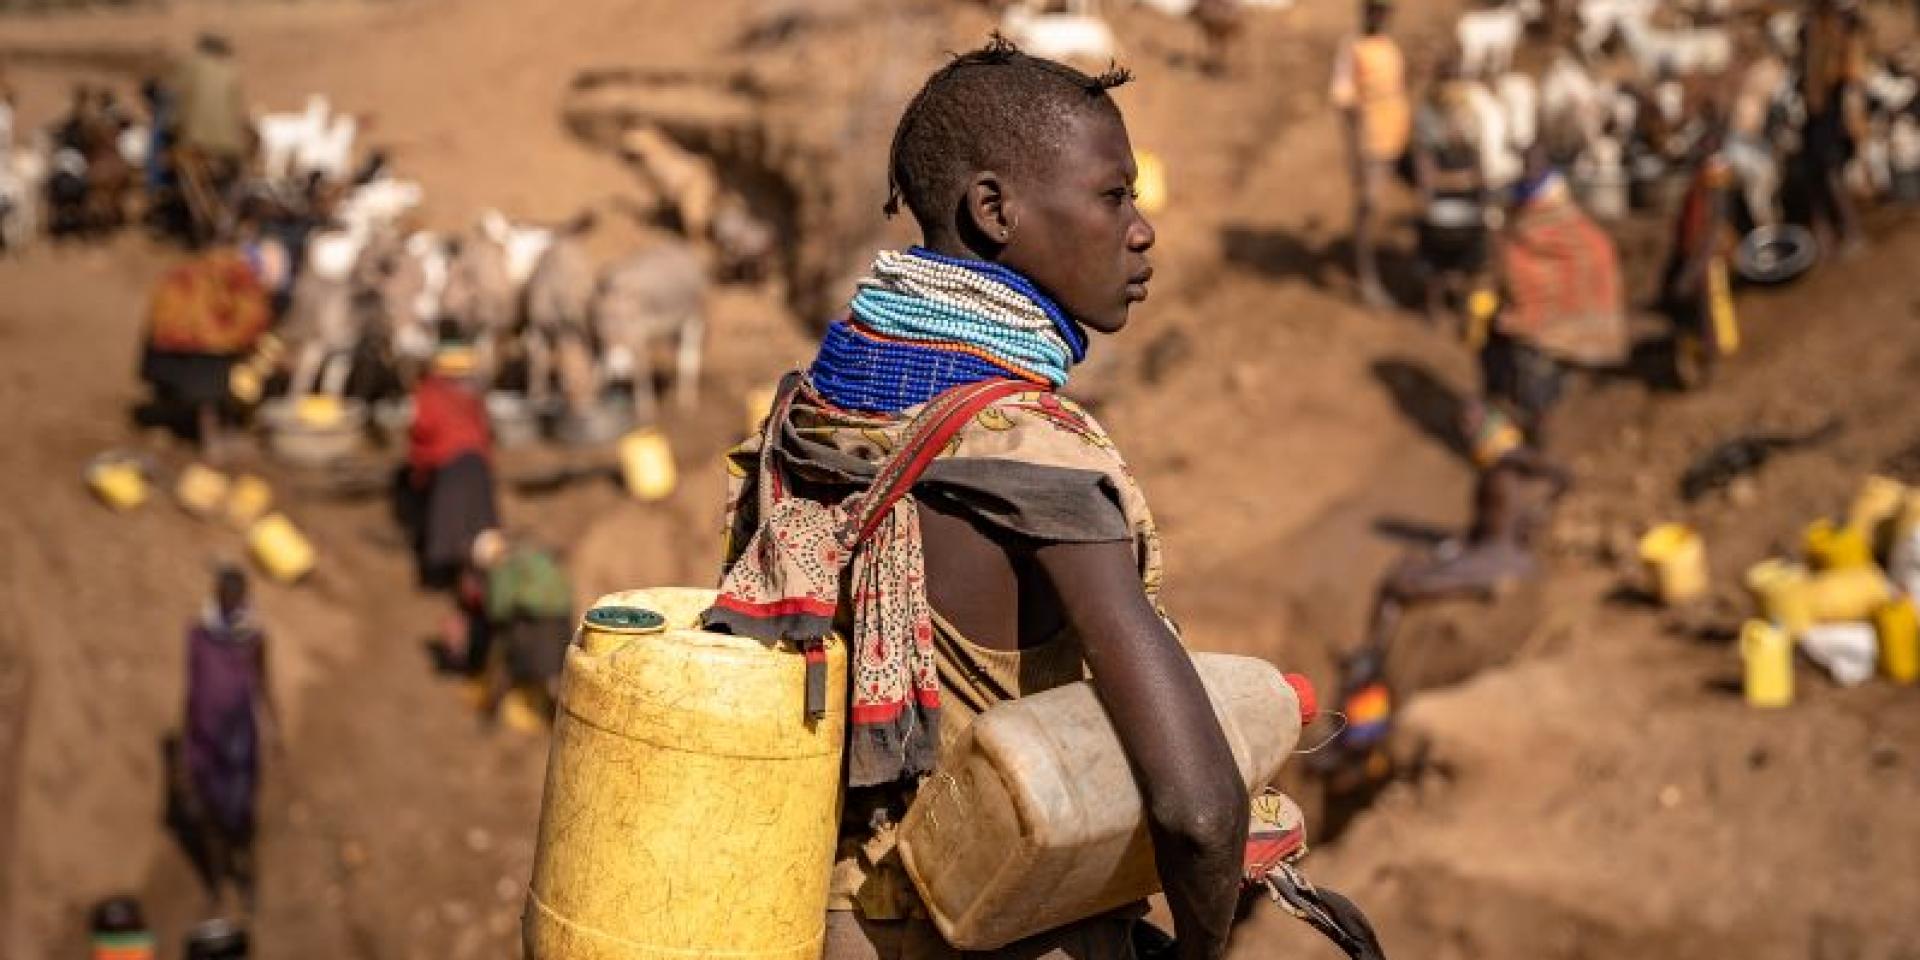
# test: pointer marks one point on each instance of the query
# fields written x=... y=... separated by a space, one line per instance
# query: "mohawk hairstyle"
x=991 y=108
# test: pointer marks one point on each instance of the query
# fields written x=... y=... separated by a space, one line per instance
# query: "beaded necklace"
x=924 y=322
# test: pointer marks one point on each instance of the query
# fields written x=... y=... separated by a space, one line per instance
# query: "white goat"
x=524 y=244
x=283 y=135
x=1521 y=99
x=23 y=184
x=328 y=151
x=1684 y=51
x=1500 y=164
x=1488 y=38
x=1075 y=35
x=1600 y=19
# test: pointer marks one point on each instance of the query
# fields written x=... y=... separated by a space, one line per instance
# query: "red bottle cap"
x=1309 y=701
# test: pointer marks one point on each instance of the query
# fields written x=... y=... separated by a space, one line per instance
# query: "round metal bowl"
x=1771 y=255
x=306 y=444
x=515 y=421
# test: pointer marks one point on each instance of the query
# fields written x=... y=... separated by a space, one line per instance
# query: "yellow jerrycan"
x=1830 y=547
x=1779 y=587
x=1876 y=508
x=646 y=465
x=1899 y=630
x=119 y=482
x=248 y=500
x=1848 y=594
x=280 y=548
x=201 y=489
x=1766 y=652
x=1032 y=818
x=691 y=807
x=1676 y=562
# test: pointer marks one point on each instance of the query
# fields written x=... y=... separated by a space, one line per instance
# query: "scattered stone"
x=508 y=889
x=1743 y=492
x=1669 y=796
x=1885 y=756
x=479 y=841
x=353 y=854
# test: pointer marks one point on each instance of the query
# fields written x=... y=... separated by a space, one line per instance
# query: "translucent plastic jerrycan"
x=691 y=807
x=1033 y=819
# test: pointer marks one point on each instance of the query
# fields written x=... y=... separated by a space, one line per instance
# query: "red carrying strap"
x=930 y=433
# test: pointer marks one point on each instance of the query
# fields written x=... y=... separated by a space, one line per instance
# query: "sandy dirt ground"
x=1593 y=785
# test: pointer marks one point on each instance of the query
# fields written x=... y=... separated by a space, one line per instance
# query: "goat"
x=1487 y=39
x=283 y=135
x=1521 y=100
x=479 y=296
x=23 y=180
x=321 y=319
x=559 y=319
x=328 y=151
x=1601 y=19
x=1681 y=52
x=1075 y=35
x=650 y=297
x=523 y=244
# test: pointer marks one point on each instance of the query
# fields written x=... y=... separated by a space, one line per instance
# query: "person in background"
x=447 y=488
x=1454 y=238
x=118 y=931
x=1750 y=148
x=1370 y=90
x=1833 y=62
x=213 y=134
x=1515 y=487
x=1696 y=291
x=228 y=702
x=528 y=603
x=1565 y=301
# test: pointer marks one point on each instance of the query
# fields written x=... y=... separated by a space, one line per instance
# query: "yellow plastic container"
x=280 y=548
x=201 y=489
x=248 y=500
x=646 y=465
x=1766 y=652
x=119 y=484
x=1836 y=548
x=1878 y=504
x=1899 y=628
x=1779 y=587
x=1149 y=182
x=318 y=410
x=1847 y=595
x=691 y=807
x=1726 y=321
x=1676 y=562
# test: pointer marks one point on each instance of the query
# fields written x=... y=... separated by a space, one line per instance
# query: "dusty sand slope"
x=1274 y=425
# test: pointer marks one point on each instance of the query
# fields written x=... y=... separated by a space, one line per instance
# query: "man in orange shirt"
x=1370 y=90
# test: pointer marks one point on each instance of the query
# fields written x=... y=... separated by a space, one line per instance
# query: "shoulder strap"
x=930 y=433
